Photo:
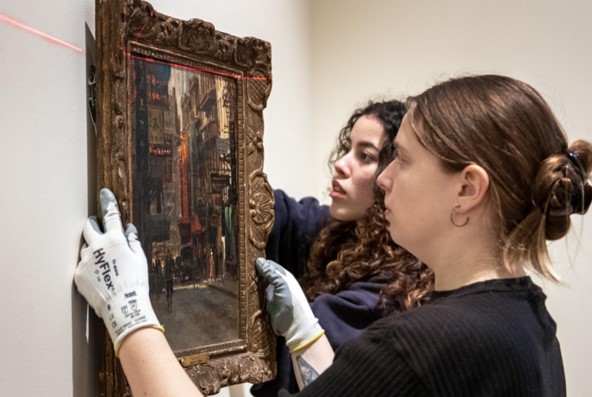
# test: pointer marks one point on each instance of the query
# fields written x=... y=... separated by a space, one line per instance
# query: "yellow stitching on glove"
x=309 y=342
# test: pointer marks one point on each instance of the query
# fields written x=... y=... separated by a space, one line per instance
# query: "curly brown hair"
x=346 y=252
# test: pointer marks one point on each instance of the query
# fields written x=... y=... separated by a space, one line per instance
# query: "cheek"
x=366 y=179
x=366 y=188
x=402 y=194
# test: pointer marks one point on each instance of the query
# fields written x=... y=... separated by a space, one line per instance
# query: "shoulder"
x=345 y=314
x=360 y=298
x=296 y=225
x=472 y=334
x=490 y=339
x=307 y=216
x=451 y=320
x=306 y=205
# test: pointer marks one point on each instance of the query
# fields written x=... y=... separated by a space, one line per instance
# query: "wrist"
x=303 y=334
x=308 y=342
x=159 y=329
x=126 y=313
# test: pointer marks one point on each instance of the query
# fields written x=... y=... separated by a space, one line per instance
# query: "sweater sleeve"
x=296 y=226
x=347 y=313
x=366 y=366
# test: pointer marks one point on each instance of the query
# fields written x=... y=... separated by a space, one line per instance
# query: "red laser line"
x=225 y=74
x=47 y=37
x=57 y=41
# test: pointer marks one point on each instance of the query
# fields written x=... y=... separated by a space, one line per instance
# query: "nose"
x=341 y=165
x=384 y=179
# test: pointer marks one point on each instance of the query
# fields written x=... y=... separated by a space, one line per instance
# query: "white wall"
x=44 y=173
x=395 y=48
x=44 y=196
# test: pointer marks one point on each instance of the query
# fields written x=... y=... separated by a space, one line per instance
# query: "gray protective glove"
x=113 y=274
x=291 y=316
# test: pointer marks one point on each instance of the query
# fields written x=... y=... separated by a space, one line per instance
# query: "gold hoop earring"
x=452 y=213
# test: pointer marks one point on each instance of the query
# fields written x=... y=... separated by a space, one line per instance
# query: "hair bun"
x=581 y=202
x=562 y=190
x=570 y=192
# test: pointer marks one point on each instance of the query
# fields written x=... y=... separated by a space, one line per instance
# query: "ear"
x=474 y=184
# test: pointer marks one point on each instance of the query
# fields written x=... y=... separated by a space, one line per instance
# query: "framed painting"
x=179 y=141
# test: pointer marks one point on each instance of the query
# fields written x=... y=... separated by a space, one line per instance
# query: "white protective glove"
x=291 y=315
x=113 y=274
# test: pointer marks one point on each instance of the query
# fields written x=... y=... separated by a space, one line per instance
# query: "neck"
x=465 y=255
x=469 y=258
x=456 y=276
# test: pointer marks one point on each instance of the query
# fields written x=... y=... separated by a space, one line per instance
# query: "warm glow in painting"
x=185 y=204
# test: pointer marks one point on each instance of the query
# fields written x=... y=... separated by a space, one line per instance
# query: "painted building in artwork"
x=206 y=220
x=184 y=197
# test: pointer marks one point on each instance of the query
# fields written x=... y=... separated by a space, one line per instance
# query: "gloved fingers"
x=269 y=294
x=279 y=270
x=91 y=229
x=269 y=272
x=131 y=233
x=110 y=210
x=280 y=311
x=83 y=279
x=276 y=280
x=79 y=275
x=85 y=253
x=265 y=269
x=278 y=267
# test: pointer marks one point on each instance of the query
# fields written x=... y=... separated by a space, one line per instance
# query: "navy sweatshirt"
x=344 y=315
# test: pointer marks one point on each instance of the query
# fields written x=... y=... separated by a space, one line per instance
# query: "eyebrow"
x=398 y=147
x=366 y=144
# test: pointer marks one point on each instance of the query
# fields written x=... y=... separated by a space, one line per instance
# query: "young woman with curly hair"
x=349 y=267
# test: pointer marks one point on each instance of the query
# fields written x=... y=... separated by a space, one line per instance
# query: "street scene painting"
x=185 y=203
x=179 y=140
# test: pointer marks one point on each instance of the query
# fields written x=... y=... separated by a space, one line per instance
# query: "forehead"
x=367 y=129
x=406 y=135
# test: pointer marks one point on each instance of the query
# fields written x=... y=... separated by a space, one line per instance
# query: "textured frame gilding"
x=125 y=27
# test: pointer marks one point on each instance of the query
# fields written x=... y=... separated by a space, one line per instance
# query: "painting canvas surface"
x=185 y=208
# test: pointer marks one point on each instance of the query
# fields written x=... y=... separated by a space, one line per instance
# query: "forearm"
x=151 y=367
x=311 y=361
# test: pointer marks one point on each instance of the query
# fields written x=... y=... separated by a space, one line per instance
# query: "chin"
x=338 y=214
x=393 y=234
x=343 y=216
x=333 y=210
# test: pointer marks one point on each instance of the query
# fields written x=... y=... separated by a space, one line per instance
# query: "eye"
x=366 y=157
x=398 y=159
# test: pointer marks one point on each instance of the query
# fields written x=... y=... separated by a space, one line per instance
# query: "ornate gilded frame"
x=129 y=30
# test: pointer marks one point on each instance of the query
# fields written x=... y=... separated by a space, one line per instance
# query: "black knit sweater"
x=493 y=338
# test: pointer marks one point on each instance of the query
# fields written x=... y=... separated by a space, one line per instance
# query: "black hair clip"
x=574 y=158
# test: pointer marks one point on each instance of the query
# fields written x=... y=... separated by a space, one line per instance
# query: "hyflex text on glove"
x=113 y=274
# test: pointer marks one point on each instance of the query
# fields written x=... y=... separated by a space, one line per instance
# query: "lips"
x=336 y=190
x=337 y=187
x=387 y=211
